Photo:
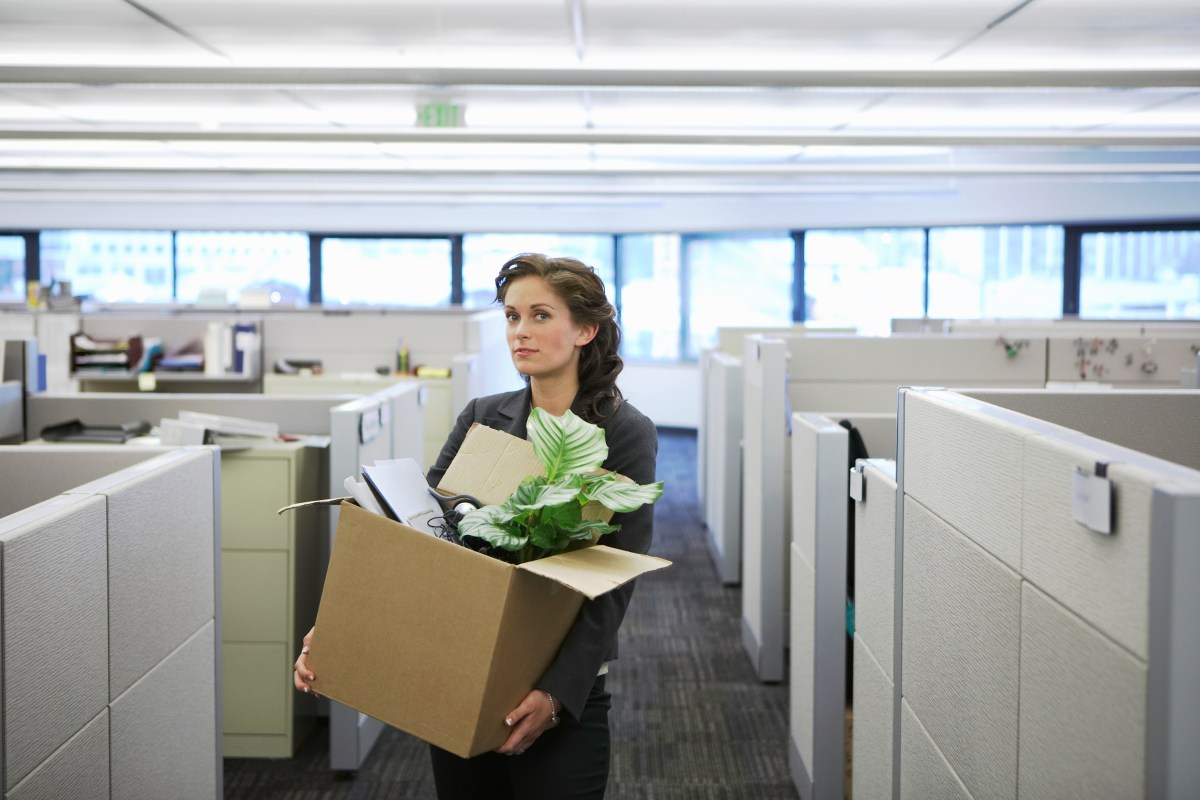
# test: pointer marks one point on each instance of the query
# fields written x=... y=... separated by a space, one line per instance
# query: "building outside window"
x=12 y=269
x=241 y=265
x=737 y=280
x=485 y=253
x=385 y=271
x=651 y=296
x=996 y=272
x=864 y=278
x=109 y=266
x=1140 y=275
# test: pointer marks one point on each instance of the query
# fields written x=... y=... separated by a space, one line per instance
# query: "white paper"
x=1091 y=501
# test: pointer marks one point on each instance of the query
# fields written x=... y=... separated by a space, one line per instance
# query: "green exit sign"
x=440 y=115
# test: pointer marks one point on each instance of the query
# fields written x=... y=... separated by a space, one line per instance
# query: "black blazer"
x=632 y=450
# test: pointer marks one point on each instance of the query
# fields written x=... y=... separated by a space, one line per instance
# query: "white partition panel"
x=55 y=623
x=1122 y=360
x=764 y=524
x=722 y=464
x=104 y=588
x=78 y=770
x=874 y=584
x=298 y=415
x=820 y=533
x=162 y=727
x=1107 y=693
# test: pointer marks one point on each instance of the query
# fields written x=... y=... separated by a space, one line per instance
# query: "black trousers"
x=567 y=762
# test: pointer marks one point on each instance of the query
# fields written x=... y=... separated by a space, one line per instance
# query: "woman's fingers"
x=528 y=721
x=302 y=677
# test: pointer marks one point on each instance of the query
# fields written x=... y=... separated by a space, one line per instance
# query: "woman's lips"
x=524 y=351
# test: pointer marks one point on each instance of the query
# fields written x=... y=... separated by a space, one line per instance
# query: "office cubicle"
x=818 y=372
x=111 y=632
x=1045 y=595
x=722 y=476
x=719 y=437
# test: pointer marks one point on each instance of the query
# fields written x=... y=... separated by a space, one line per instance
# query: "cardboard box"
x=436 y=639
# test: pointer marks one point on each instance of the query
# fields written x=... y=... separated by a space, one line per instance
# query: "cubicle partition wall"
x=820 y=536
x=307 y=415
x=719 y=431
x=110 y=627
x=817 y=372
x=722 y=427
x=1046 y=592
x=874 y=624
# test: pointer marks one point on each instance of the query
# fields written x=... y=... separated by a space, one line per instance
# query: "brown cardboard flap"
x=596 y=570
x=490 y=465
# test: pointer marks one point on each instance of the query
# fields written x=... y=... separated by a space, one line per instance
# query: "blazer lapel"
x=511 y=415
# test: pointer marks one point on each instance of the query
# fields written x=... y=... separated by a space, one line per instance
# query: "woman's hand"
x=303 y=677
x=536 y=715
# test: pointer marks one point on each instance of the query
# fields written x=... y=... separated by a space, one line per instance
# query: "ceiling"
x=605 y=98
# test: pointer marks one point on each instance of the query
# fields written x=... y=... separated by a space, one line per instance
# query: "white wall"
x=669 y=394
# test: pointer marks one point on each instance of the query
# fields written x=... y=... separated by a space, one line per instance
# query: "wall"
x=669 y=394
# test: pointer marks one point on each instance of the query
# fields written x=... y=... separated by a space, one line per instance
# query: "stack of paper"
x=194 y=427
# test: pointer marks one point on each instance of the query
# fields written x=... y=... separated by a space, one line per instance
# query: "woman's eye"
x=511 y=317
x=543 y=315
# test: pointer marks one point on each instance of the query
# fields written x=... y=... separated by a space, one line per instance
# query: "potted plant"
x=545 y=514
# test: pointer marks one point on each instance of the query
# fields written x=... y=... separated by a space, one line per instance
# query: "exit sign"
x=440 y=115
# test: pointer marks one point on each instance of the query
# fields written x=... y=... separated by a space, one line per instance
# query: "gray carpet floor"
x=689 y=722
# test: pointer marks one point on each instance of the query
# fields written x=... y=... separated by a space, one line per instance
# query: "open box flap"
x=593 y=571
x=490 y=465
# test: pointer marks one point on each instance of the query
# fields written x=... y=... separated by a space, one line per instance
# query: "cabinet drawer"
x=255 y=596
x=256 y=687
x=252 y=490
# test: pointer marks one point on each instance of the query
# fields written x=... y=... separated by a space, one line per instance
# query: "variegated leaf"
x=565 y=444
x=624 y=497
x=489 y=523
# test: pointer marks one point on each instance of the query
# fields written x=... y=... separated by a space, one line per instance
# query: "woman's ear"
x=586 y=334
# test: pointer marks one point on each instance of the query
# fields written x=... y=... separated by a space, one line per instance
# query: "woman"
x=563 y=338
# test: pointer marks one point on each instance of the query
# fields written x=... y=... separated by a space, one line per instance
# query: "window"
x=651 y=305
x=864 y=278
x=737 y=279
x=241 y=263
x=12 y=269
x=105 y=266
x=485 y=253
x=1140 y=274
x=1001 y=271
x=385 y=271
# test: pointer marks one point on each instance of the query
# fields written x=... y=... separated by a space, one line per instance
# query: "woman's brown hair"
x=583 y=291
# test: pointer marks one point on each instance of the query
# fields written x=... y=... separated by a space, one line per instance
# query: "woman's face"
x=543 y=340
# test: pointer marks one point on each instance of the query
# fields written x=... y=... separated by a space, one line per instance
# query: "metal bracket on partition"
x=858 y=487
x=1091 y=499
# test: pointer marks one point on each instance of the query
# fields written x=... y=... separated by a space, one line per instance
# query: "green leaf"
x=565 y=444
x=493 y=524
x=624 y=497
x=535 y=493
